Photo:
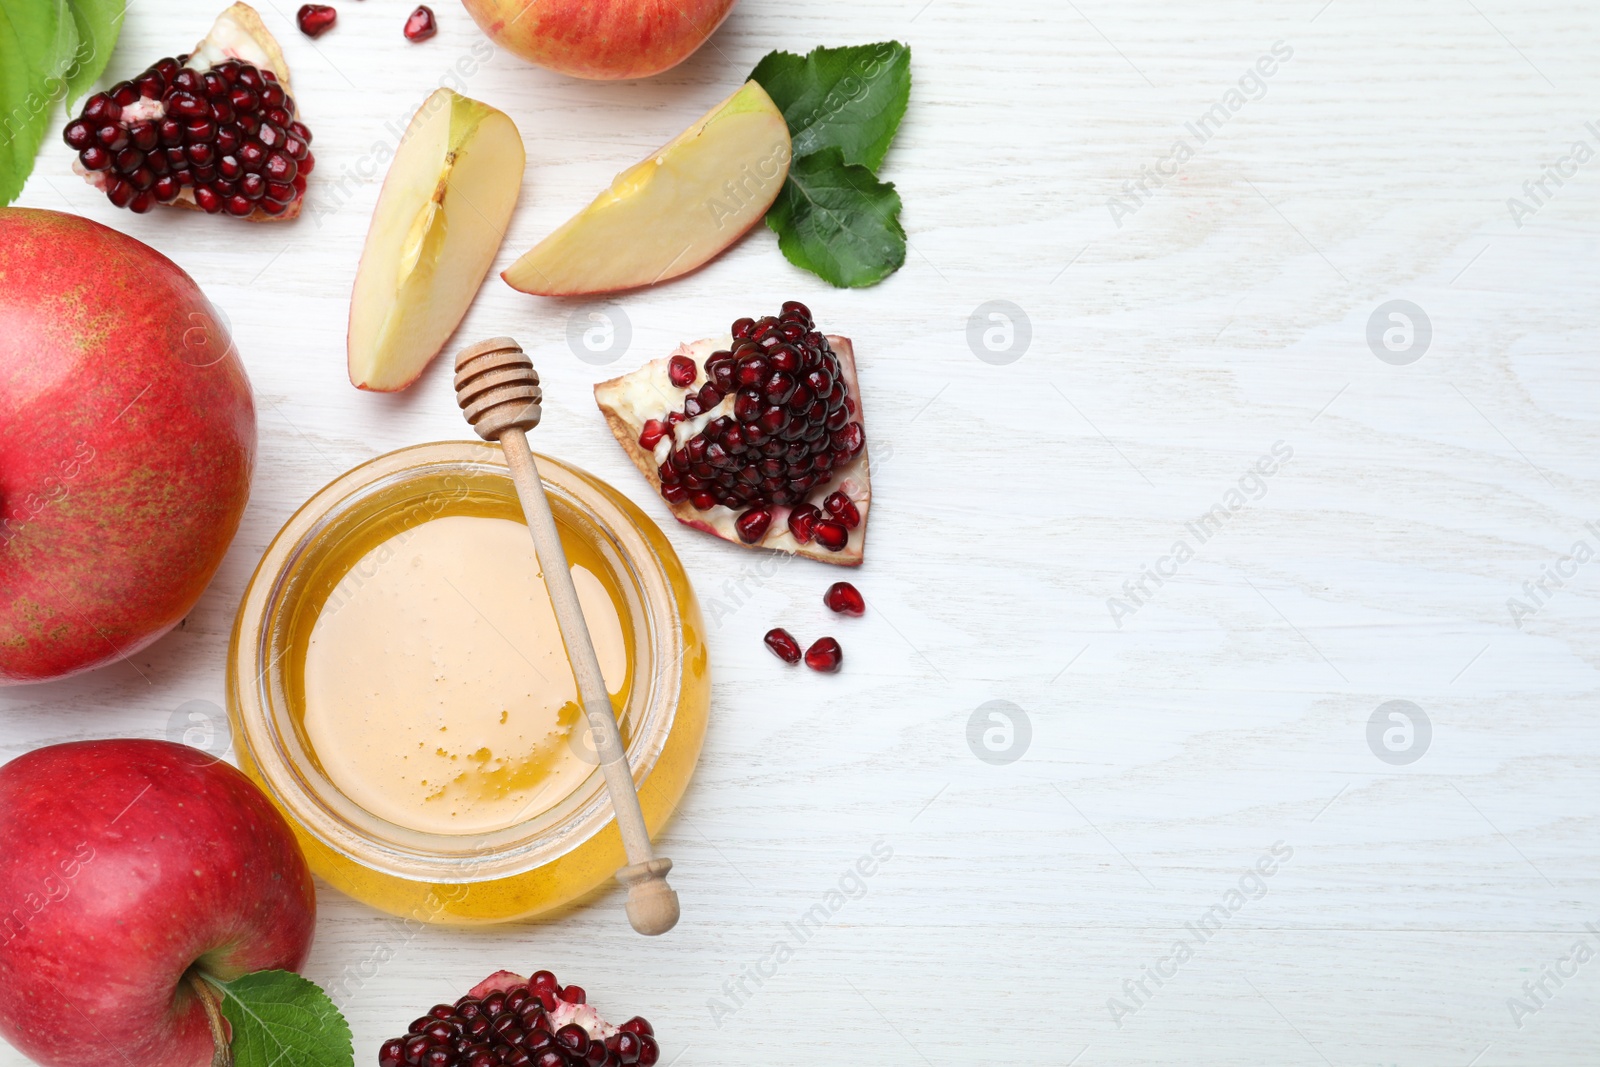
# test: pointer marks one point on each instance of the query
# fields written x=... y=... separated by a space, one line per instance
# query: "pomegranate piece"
x=315 y=20
x=420 y=25
x=825 y=655
x=510 y=1020
x=214 y=130
x=783 y=644
x=845 y=599
x=752 y=436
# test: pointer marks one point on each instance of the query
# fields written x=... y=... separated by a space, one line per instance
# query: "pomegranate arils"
x=785 y=647
x=825 y=655
x=840 y=507
x=831 y=535
x=787 y=430
x=681 y=371
x=315 y=20
x=420 y=24
x=752 y=525
x=844 y=598
x=534 y=1022
x=173 y=128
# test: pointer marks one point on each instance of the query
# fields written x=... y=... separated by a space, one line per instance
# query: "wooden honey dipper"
x=499 y=393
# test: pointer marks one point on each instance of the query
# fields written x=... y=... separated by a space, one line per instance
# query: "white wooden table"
x=1175 y=340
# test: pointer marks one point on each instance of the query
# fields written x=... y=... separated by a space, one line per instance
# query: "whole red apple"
x=127 y=437
x=124 y=865
x=604 y=39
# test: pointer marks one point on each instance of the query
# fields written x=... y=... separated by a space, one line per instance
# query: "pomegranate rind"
x=648 y=393
x=498 y=982
x=585 y=1015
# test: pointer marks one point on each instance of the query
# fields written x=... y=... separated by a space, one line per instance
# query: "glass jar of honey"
x=397 y=684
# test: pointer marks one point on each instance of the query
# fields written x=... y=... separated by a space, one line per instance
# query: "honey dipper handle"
x=652 y=903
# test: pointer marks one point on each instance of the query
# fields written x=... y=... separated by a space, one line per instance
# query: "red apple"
x=604 y=39
x=127 y=436
x=123 y=865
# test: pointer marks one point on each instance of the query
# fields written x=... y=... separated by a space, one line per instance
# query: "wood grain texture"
x=1229 y=712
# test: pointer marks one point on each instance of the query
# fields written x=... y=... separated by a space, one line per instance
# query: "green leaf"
x=38 y=39
x=838 y=221
x=99 y=25
x=851 y=98
x=280 y=1019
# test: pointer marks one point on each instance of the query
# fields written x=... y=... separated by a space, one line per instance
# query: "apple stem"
x=212 y=1001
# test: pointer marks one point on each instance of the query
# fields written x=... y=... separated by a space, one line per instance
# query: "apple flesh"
x=440 y=218
x=603 y=39
x=127 y=437
x=671 y=213
x=126 y=866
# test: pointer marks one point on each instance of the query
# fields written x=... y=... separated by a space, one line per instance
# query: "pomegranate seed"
x=420 y=25
x=842 y=508
x=315 y=20
x=803 y=522
x=649 y=1050
x=825 y=655
x=636 y=1025
x=574 y=994
x=786 y=648
x=681 y=371
x=845 y=598
x=796 y=311
x=753 y=524
x=831 y=535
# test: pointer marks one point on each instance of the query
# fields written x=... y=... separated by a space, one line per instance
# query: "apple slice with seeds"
x=756 y=437
x=672 y=212
x=440 y=219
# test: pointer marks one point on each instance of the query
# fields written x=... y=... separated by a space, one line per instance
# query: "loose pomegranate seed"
x=825 y=655
x=831 y=535
x=574 y=994
x=316 y=19
x=681 y=371
x=752 y=525
x=786 y=648
x=420 y=25
x=845 y=598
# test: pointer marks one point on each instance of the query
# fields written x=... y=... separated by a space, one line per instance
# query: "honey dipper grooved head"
x=497 y=387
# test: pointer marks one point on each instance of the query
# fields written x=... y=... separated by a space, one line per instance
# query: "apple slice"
x=440 y=219
x=671 y=213
x=637 y=405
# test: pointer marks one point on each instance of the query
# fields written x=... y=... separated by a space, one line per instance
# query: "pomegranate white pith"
x=649 y=395
x=216 y=130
